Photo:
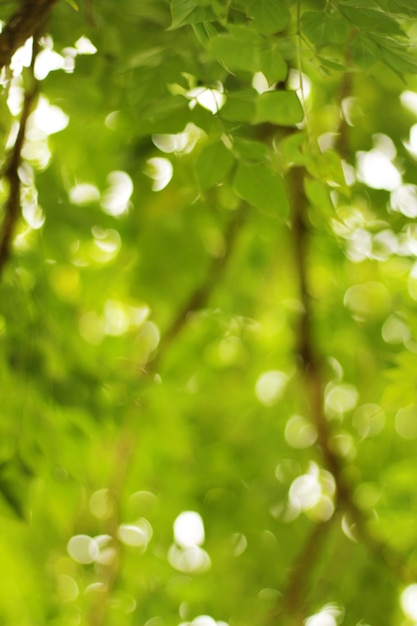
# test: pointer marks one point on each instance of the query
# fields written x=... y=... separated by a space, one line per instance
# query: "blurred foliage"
x=208 y=314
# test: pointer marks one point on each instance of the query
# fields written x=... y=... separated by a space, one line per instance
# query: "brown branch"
x=291 y=604
x=11 y=174
x=342 y=141
x=89 y=13
x=345 y=89
x=28 y=20
x=309 y=359
x=108 y=573
x=311 y=369
x=200 y=296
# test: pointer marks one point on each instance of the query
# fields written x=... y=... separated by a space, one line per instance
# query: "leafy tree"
x=208 y=328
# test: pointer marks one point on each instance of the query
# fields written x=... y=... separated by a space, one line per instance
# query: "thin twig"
x=89 y=13
x=124 y=453
x=345 y=90
x=27 y=21
x=200 y=296
x=342 y=141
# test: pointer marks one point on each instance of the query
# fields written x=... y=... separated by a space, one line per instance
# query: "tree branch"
x=200 y=296
x=292 y=603
x=342 y=141
x=89 y=13
x=124 y=452
x=11 y=174
x=311 y=369
x=27 y=21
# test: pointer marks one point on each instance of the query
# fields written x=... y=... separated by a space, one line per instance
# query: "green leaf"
x=249 y=150
x=212 y=165
x=400 y=389
x=364 y=52
x=398 y=61
x=272 y=65
x=73 y=5
x=331 y=65
x=185 y=12
x=15 y=478
x=407 y=7
x=333 y=170
x=399 y=6
x=170 y=115
x=327 y=167
x=279 y=107
x=204 y=32
x=371 y=19
x=235 y=53
x=324 y=29
x=294 y=149
x=240 y=106
x=318 y=194
x=263 y=188
x=269 y=16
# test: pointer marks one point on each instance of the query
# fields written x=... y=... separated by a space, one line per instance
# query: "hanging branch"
x=28 y=20
x=311 y=370
x=11 y=172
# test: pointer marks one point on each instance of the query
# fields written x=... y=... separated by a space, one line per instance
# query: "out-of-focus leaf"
x=324 y=28
x=398 y=60
x=318 y=194
x=279 y=107
x=73 y=4
x=365 y=53
x=204 y=32
x=370 y=19
x=189 y=12
x=235 y=53
x=212 y=165
x=263 y=188
x=268 y=16
x=170 y=115
x=240 y=106
x=272 y=65
x=327 y=167
x=294 y=149
x=249 y=150
x=398 y=6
